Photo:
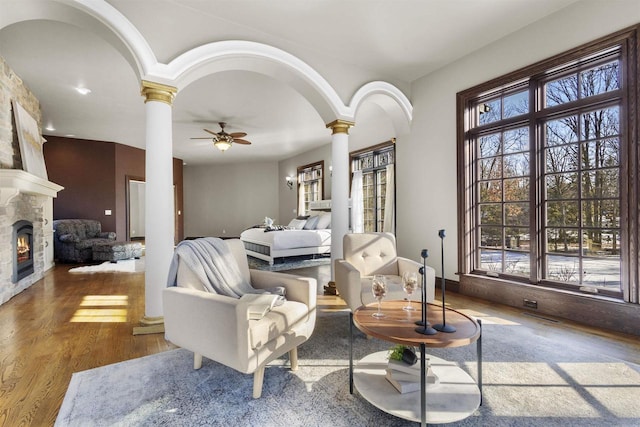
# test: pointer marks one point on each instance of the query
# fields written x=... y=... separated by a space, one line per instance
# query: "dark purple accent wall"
x=86 y=170
x=94 y=176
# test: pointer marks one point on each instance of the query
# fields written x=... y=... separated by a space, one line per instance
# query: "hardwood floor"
x=66 y=323
x=70 y=322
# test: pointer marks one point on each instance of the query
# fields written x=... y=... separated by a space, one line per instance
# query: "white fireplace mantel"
x=16 y=181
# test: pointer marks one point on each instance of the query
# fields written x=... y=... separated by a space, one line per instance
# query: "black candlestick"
x=424 y=327
x=443 y=327
x=423 y=292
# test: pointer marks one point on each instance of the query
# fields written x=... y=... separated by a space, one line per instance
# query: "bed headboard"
x=320 y=205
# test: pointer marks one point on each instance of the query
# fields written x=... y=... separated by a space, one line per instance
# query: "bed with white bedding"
x=269 y=245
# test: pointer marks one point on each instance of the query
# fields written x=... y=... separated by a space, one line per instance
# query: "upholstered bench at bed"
x=115 y=251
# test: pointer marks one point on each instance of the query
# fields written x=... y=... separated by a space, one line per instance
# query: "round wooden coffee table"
x=455 y=397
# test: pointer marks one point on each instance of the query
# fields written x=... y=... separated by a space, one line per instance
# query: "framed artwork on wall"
x=30 y=142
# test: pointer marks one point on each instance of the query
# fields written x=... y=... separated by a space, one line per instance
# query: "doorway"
x=135 y=209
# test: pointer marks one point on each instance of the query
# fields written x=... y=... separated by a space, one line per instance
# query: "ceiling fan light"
x=222 y=145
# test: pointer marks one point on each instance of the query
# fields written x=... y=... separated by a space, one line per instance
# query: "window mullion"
x=535 y=196
x=581 y=248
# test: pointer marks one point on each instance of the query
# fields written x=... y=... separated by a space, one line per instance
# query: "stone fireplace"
x=22 y=250
x=23 y=196
x=26 y=210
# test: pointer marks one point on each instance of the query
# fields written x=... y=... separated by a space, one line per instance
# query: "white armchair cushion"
x=276 y=322
x=366 y=254
x=371 y=254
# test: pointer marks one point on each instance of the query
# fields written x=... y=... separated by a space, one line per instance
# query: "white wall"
x=426 y=173
x=223 y=200
x=373 y=126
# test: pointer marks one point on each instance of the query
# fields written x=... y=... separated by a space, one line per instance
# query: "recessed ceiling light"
x=50 y=128
x=83 y=90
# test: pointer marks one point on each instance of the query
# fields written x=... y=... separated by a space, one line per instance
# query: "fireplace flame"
x=23 y=248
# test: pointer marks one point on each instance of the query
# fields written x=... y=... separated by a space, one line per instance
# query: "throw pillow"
x=324 y=221
x=311 y=223
x=297 y=224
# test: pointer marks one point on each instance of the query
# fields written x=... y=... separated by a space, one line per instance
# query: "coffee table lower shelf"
x=456 y=397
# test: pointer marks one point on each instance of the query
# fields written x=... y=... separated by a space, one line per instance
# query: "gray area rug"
x=528 y=381
x=288 y=263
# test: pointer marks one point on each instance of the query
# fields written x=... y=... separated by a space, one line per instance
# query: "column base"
x=150 y=325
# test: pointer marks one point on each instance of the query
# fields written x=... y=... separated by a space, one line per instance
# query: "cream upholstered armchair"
x=218 y=327
x=366 y=254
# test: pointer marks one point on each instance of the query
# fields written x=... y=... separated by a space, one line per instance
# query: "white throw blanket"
x=213 y=263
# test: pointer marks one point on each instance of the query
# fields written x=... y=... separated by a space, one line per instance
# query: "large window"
x=373 y=162
x=546 y=157
x=310 y=185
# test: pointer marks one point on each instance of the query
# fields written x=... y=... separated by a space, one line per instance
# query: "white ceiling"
x=393 y=40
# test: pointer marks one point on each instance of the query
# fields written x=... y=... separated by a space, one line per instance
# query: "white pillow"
x=324 y=221
x=311 y=222
x=297 y=224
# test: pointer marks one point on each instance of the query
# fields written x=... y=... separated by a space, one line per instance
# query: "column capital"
x=340 y=126
x=158 y=92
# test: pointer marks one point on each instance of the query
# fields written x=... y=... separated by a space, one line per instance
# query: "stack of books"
x=406 y=378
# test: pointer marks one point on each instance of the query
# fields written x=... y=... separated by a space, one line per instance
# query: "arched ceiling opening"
x=93 y=45
x=98 y=18
x=275 y=117
x=54 y=58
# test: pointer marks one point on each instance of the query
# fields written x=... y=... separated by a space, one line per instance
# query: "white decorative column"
x=159 y=201
x=339 y=186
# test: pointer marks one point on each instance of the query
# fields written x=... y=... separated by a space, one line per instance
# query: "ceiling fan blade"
x=204 y=137
x=241 y=141
x=211 y=132
x=238 y=135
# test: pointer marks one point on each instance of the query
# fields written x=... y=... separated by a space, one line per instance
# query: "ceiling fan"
x=223 y=140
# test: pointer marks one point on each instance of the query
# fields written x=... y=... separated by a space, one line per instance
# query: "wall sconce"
x=290 y=180
x=330 y=170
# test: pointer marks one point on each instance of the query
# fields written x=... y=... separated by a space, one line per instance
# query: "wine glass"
x=379 y=289
x=409 y=284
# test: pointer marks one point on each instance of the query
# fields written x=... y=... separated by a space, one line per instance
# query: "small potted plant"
x=403 y=353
